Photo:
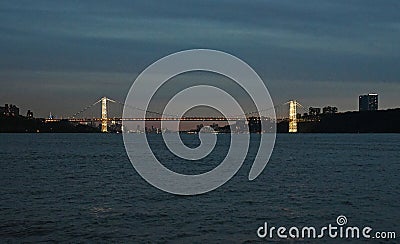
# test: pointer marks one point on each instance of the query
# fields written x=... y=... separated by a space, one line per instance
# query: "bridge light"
x=292 y=117
x=104 y=114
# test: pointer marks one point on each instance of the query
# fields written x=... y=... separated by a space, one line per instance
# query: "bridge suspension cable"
x=175 y=115
x=147 y=111
x=84 y=109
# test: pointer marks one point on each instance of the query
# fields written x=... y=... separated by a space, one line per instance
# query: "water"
x=82 y=187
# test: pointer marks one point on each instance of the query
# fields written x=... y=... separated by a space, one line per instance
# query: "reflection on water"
x=74 y=187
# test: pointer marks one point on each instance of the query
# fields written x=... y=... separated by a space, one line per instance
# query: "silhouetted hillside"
x=20 y=124
x=381 y=121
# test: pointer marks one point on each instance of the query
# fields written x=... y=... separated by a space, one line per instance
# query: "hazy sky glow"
x=60 y=56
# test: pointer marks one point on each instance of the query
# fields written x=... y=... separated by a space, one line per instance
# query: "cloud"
x=300 y=41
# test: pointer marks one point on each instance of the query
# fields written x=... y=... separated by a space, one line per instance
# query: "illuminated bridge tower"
x=104 y=119
x=292 y=117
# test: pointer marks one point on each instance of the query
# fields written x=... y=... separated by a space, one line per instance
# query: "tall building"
x=368 y=102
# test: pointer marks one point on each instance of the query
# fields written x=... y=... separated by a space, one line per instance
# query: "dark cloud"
x=288 y=42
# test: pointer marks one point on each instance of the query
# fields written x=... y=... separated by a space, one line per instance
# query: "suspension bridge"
x=105 y=119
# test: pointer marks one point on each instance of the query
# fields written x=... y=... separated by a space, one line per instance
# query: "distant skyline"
x=59 y=56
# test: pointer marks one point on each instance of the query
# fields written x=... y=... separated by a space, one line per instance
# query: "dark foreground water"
x=78 y=187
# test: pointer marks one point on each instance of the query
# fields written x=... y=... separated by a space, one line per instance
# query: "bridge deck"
x=145 y=119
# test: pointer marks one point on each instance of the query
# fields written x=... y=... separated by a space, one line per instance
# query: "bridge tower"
x=104 y=119
x=292 y=116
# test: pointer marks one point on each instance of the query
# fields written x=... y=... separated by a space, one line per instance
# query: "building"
x=9 y=110
x=368 y=102
x=240 y=126
x=329 y=110
x=314 y=111
x=254 y=124
x=29 y=114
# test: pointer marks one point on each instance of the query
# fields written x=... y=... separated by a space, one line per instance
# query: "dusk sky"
x=60 y=56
